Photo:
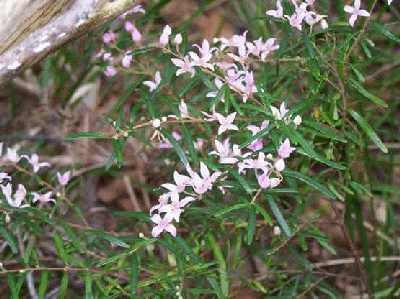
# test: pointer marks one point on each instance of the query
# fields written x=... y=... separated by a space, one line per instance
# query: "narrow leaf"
x=369 y=131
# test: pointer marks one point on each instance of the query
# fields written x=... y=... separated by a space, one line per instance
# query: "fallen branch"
x=33 y=29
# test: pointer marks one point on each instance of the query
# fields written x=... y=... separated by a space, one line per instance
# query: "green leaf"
x=11 y=241
x=251 y=225
x=324 y=131
x=227 y=210
x=311 y=182
x=223 y=275
x=63 y=286
x=369 y=131
x=114 y=240
x=308 y=149
x=59 y=244
x=86 y=135
x=259 y=135
x=367 y=94
x=385 y=32
x=88 y=287
x=177 y=147
x=135 y=271
x=241 y=181
x=44 y=280
x=279 y=216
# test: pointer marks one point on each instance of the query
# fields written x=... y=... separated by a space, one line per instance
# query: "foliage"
x=329 y=158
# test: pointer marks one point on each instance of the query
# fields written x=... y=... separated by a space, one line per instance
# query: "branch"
x=42 y=26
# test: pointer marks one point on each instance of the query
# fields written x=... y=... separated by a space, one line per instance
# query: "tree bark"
x=31 y=29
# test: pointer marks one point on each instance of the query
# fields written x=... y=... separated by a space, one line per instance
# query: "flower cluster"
x=231 y=62
x=232 y=57
x=19 y=198
x=303 y=13
x=114 y=58
x=170 y=204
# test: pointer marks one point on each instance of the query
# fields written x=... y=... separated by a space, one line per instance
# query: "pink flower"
x=250 y=86
x=258 y=164
x=181 y=182
x=184 y=65
x=152 y=85
x=135 y=33
x=225 y=153
x=278 y=13
x=64 y=178
x=162 y=200
x=109 y=37
x=285 y=150
x=257 y=144
x=205 y=56
x=164 y=38
x=166 y=144
x=175 y=208
x=127 y=60
x=43 y=198
x=162 y=224
x=266 y=48
x=203 y=182
x=34 y=161
x=107 y=56
x=266 y=182
x=199 y=144
x=355 y=12
x=225 y=123
x=19 y=195
x=110 y=71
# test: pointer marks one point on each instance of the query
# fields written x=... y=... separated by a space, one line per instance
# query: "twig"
x=352 y=260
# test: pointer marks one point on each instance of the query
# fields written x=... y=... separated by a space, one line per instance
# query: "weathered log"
x=31 y=29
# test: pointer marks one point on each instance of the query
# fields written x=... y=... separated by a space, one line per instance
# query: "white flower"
x=203 y=183
x=225 y=153
x=225 y=123
x=162 y=224
x=152 y=85
x=34 y=161
x=297 y=120
x=184 y=65
x=19 y=195
x=64 y=178
x=281 y=113
x=278 y=13
x=164 y=38
x=178 y=39
x=43 y=198
x=175 y=208
x=355 y=11
x=279 y=165
x=183 y=109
